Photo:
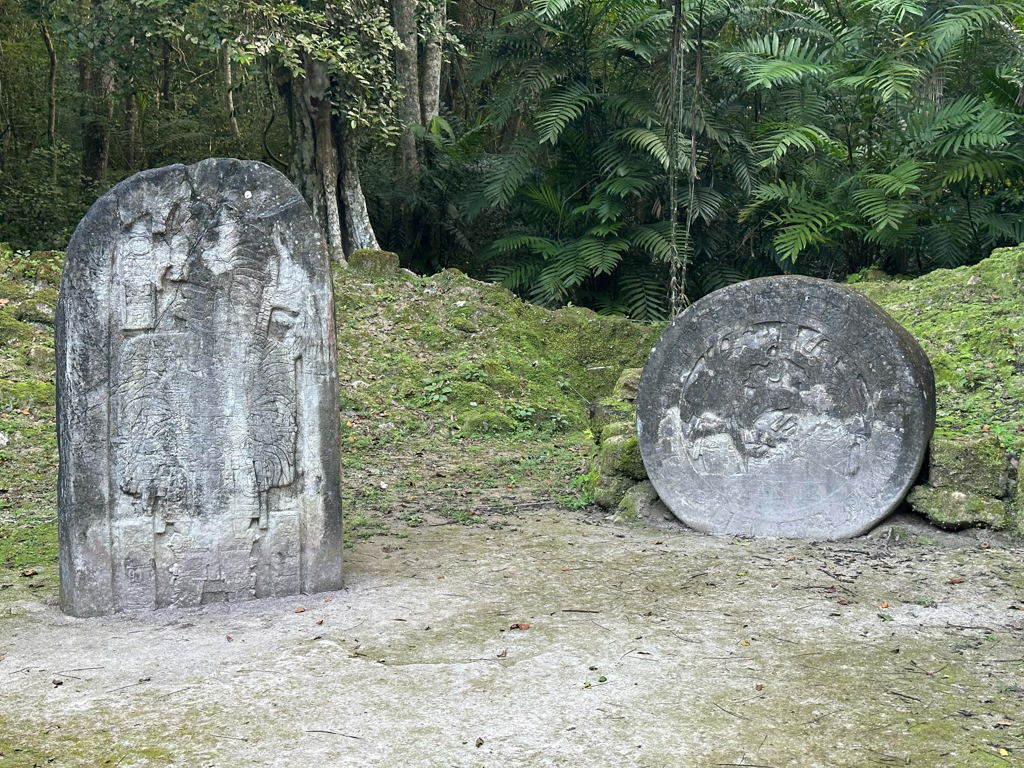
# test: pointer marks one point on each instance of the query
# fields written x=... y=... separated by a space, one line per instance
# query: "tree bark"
x=96 y=84
x=165 y=77
x=357 y=230
x=313 y=164
x=229 y=89
x=96 y=88
x=51 y=104
x=432 y=49
x=132 y=140
x=407 y=75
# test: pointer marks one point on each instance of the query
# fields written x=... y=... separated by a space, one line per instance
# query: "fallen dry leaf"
x=520 y=625
x=30 y=572
x=759 y=687
x=479 y=742
x=318 y=622
x=230 y=639
x=301 y=609
x=883 y=605
x=841 y=601
x=956 y=581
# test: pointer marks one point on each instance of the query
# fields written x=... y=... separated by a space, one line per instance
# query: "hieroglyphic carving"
x=220 y=380
x=784 y=407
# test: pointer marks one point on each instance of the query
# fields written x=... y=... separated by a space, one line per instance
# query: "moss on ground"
x=28 y=442
x=970 y=321
x=448 y=354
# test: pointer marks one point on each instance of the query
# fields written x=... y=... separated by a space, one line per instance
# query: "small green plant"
x=519 y=412
x=472 y=373
x=413 y=520
x=579 y=496
x=558 y=422
x=459 y=515
x=436 y=389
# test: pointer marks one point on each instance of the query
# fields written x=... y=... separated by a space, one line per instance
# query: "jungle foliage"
x=584 y=151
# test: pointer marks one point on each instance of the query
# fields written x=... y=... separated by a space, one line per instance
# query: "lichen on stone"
x=373 y=264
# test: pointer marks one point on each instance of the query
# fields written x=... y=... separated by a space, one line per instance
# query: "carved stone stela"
x=197 y=394
x=785 y=406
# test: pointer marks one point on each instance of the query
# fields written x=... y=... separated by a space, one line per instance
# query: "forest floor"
x=491 y=615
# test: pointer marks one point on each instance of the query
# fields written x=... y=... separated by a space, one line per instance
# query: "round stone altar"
x=785 y=406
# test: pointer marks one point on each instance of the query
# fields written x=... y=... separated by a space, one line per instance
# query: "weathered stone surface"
x=785 y=406
x=373 y=264
x=978 y=466
x=953 y=509
x=609 y=410
x=640 y=504
x=197 y=394
x=610 y=488
x=626 y=386
x=621 y=454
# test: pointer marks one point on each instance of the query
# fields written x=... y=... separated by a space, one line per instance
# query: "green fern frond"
x=601 y=255
x=784 y=137
x=563 y=105
x=546 y=197
x=643 y=296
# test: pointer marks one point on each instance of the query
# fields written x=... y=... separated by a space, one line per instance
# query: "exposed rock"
x=609 y=410
x=373 y=264
x=609 y=489
x=641 y=504
x=954 y=509
x=972 y=465
x=620 y=454
x=626 y=386
x=785 y=406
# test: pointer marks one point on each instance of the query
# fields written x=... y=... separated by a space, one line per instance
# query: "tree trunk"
x=407 y=76
x=165 y=77
x=358 y=232
x=132 y=142
x=313 y=164
x=431 y=85
x=51 y=104
x=229 y=89
x=96 y=85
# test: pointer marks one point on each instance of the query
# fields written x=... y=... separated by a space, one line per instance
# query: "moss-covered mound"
x=453 y=354
x=970 y=321
x=28 y=442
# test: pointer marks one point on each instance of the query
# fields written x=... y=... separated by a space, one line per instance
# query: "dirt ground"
x=532 y=634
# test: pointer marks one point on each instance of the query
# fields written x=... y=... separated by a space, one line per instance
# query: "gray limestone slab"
x=197 y=394
x=785 y=406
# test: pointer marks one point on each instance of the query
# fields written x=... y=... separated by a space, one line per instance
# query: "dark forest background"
x=626 y=155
